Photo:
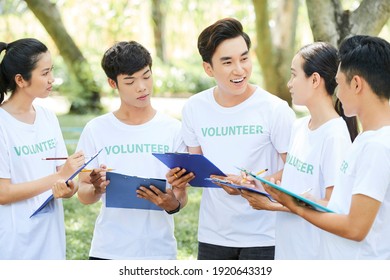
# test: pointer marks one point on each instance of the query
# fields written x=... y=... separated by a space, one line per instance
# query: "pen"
x=244 y=177
x=90 y=170
x=244 y=180
x=55 y=158
x=308 y=190
x=262 y=171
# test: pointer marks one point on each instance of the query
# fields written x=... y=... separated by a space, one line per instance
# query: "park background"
x=79 y=32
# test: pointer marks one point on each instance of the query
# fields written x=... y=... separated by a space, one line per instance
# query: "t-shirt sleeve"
x=282 y=123
x=187 y=130
x=373 y=176
x=87 y=145
x=179 y=145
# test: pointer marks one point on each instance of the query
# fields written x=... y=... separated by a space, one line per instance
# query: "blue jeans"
x=215 y=252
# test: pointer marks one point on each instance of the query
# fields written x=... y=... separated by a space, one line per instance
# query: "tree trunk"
x=330 y=23
x=48 y=14
x=158 y=23
x=275 y=48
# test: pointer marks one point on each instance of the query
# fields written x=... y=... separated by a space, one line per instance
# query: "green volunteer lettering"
x=35 y=148
x=146 y=148
x=344 y=167
x=299 y=165
x=231 y=130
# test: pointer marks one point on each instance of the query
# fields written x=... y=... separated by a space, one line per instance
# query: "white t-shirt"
x=365 y=170
x=132 y=233
x=250 y=135
x=22 y=147
x=313 y=160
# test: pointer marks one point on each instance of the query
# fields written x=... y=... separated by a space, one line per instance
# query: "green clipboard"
x=313 y=204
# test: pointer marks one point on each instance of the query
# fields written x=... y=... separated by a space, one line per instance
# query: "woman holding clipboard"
x=29 y=133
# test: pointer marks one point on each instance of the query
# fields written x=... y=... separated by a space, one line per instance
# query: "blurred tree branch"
x=89 y=98
x=330 y=23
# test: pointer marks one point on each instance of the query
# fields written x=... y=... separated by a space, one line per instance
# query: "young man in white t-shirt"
x=234 y=124
x=359 y=228
x=128 y=137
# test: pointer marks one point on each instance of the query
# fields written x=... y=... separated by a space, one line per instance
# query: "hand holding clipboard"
x=51 y=197
x=195 y=163
x=300 y=198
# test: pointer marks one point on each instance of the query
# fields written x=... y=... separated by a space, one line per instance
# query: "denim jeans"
x=215 y=252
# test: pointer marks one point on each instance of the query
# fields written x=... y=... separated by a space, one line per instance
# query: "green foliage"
x=63 y=81
x=71 y=126
x=95 y=25
x=186 y=226
x=68 y=86
x=79 y=224
x=181 y=77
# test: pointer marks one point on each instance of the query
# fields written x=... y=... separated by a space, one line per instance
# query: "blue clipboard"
x=312 y=204
x=51 y=197
x=121 y=192
x=195 y=163
x=239 y=187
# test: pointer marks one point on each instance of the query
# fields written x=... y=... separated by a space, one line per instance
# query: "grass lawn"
x=80 y=219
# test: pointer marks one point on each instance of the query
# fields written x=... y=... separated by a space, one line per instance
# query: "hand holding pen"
x=71 y=164
x=308 y=195
x=98 y=179
x=245 y=176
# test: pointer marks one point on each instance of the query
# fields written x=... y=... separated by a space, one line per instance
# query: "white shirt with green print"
x=365 y=170
x=22 y=147
x=249 y=135
x=313 y=160
x=132 y=233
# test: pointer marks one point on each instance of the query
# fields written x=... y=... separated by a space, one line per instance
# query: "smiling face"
x=231 y=66
x=40 y=84
x=135 y=90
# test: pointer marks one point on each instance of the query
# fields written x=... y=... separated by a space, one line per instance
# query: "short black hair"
x=212 y=36
x=369 y=57
x=125 y=58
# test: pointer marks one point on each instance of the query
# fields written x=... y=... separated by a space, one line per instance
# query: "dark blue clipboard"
x=239 y=187
x=312 y=204
x=195 y=163
x=51 y=197
x=121 y=192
